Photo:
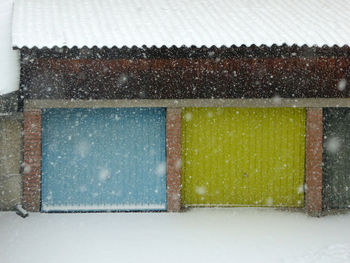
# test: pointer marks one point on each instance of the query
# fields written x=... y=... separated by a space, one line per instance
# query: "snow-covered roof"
x=49 y=23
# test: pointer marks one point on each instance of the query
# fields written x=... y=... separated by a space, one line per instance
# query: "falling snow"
x=333 y=144
x=276 y=99
x=96 y=158
x=201 y=190
x=104 y=174
x=160 y=169
x=342 y=84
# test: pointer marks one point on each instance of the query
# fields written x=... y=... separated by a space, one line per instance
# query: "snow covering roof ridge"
x=119 y=23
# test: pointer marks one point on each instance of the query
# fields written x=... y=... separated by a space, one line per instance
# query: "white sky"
x=9 y=59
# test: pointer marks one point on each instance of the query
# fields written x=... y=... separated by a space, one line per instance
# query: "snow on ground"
x=9 y=59
x=198 y=235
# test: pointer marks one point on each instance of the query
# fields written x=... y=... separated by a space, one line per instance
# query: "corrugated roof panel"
x=48 y=23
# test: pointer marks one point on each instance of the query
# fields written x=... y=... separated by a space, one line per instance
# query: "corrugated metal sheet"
x=243 y=157
x=49 y=23
x=336 y=155
x=103 y=159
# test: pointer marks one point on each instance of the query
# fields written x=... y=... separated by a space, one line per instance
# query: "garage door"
x=336 y=156
x=243 y=157
x=103 y=159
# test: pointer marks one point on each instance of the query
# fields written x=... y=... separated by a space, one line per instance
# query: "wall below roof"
x=216 y=78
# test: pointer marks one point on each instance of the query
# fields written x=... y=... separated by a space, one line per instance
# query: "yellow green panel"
x=243 y=157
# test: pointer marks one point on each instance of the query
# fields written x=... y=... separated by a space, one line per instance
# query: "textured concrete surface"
x=10 y=159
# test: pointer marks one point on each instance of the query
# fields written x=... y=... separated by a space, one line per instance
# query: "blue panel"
x=103 y=159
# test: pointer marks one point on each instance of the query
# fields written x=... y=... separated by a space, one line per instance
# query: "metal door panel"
x=336 y=158
x=243 y=157
x=103 y=159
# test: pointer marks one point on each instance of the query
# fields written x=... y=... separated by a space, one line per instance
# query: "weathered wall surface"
x=10 y=159
x=9 y=103
x=185 y=73
x=186 y=78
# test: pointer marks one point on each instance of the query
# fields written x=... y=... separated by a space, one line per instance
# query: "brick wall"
x=313 y=180
x=173 y=133
x=32 y=160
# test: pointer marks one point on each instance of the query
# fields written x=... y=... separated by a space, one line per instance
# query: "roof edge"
x=173 y=52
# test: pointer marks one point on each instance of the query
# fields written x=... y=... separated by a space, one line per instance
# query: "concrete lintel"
x=11 y=116
x=252 y=103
